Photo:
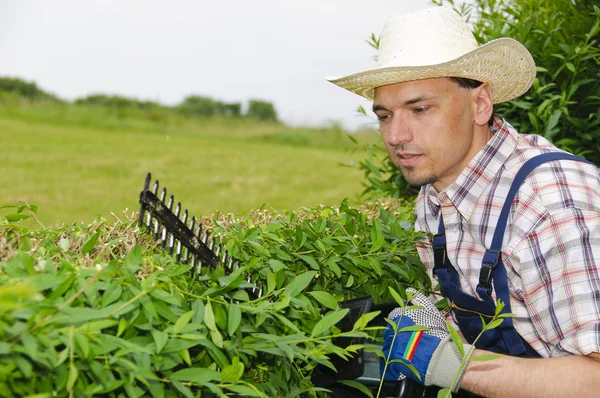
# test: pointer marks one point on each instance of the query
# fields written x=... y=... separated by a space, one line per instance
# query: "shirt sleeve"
x=559 y=264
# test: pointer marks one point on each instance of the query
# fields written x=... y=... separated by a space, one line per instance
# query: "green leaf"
x=185 y=355
x=330 y=319
x=183 y=389
x=111 y=294
x=414 y=328
x=196 y=375
x=176 y=345
x=73 y=374
x=134 y=257
x=271 y=281
x=493 y=324
x=234 y=319
x=309 y=260
x=332 y=265
x=276 y=265
x=396 y=296
x=375 y=265
x=365 y=319
x=444 y=393
x=209 y=317
x=160 y=338
x=359 y=386
x=325 y=299
x=16 y=217
x=244 y=391
x=89 y=245
x=456 y=338
x=233 y=372
x=485 y=357
x=165 y=296
x=30 y=344
x=83 y=345
x=217 y=338
x=122 y=326
x=182 y=321
x=376 y=236
x=393 y=324
x=552 y=122
x=299 y=283
x=350 y=281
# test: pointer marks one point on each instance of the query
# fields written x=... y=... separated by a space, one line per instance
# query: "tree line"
x=193 y=105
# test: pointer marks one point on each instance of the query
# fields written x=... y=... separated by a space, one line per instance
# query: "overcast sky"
x=280 y=51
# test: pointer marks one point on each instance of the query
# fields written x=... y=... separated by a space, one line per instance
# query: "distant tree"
x=262 y=110
x=232 y=109
x=109 y=101
x=199 y=106
x=22 y=88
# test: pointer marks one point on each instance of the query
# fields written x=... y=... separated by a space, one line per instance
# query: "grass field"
x=76 y=164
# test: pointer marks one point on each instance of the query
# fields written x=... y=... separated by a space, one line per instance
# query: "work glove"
x=431 y=352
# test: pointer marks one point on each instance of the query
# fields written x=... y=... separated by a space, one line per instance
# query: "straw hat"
x=436 y=42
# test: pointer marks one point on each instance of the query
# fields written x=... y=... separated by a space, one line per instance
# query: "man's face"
x=428 y=129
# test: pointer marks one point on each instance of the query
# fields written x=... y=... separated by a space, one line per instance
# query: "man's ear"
x=484 y=104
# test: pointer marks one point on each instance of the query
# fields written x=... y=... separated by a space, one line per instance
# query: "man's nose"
x=399 y=132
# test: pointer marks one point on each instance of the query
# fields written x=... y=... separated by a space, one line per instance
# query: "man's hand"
x=432 y=352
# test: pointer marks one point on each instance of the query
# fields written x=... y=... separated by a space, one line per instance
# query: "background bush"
x=24 y=89
x=563 y=104
x=262 y=110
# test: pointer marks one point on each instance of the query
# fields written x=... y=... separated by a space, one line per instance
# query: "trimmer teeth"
x=187 y=240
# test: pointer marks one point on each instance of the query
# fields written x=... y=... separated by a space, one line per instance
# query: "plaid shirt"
x=551 y=248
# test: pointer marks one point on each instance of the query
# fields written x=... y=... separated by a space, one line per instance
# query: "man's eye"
x=421 y=109
x=382 y=118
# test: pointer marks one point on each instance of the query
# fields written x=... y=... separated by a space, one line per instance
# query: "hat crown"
x=427 y=37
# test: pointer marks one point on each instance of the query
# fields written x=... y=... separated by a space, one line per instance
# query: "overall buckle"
x=490 y=262
x=439 y=252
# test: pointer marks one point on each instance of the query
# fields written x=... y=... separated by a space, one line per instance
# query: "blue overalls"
x=466 y=308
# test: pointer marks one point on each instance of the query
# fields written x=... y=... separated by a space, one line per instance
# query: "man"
x=434 y=90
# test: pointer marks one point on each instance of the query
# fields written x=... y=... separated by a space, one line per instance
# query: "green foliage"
x=24 y=89
x=116 y=101
x=563 y=37
x=381 y=176
x=207 y=107
x=100 y=310
x=262 y=110
x=564 y=103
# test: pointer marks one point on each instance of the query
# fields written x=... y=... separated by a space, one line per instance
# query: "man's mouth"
x=409 y=159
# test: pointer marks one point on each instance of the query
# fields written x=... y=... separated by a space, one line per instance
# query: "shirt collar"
x=480 y=171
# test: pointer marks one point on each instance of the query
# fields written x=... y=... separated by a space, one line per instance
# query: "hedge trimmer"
x=185 y=238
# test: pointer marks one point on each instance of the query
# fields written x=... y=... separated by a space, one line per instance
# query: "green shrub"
x=564 y=103
x=262 y=110
x=24 y=89
x=116 y=101
x=563 y=36
x=233 y=109
x=199 y=106
x=102 y=310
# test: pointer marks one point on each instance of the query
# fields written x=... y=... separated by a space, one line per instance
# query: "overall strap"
x=439 y=247
x=492 y=256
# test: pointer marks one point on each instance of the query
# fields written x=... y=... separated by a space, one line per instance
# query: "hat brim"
x=504 y=64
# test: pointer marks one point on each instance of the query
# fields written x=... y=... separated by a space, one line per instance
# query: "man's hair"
x=467 y=83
